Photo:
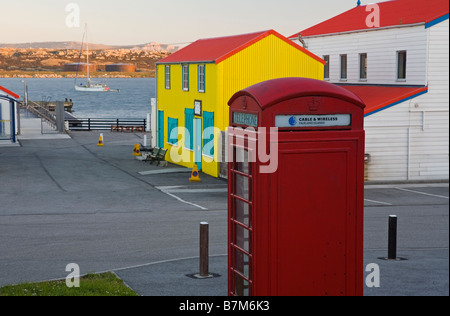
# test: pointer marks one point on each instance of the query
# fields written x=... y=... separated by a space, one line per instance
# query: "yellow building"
x=195 y=84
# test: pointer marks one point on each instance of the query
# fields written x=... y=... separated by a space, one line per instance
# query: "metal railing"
x=42 y=112
x=120 y=125
x=48 y=117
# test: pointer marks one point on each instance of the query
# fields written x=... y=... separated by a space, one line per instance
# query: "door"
x=161 y=129
x=198 y=142
x=316 y=218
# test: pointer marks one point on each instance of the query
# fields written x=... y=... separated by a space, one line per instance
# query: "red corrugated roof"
x=378 y=98
x=392 y=13
x=10 y=93
x=220 y=48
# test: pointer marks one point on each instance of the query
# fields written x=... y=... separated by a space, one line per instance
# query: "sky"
x=133 y=22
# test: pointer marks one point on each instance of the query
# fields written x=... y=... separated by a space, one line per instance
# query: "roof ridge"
x=393 y=13
x=217 y=49
x=232 y=36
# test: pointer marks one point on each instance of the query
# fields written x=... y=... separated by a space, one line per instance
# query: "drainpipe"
x=301 y=40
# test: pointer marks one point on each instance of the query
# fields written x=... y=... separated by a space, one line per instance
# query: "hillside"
x=153 y=46
x=43 y=59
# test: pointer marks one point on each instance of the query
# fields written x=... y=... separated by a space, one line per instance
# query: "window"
x=401 y=65
x=343 y=67
x=208 y=134
x=189 y=126
x=173 y=131
x=363 y=66
x=167 y=76
x=201 y=78
x=185 y=77
x=327 y=67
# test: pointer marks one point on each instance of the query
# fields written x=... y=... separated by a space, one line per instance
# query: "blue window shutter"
x=189 y=125
x=208 y=138
x=173 y=131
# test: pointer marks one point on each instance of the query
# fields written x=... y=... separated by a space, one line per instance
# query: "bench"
x=158 y=155
x=123 y=129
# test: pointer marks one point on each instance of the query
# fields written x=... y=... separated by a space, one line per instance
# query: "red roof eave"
x=10 y=93
x=393 y=13
x=206 y=50
x=379 y=98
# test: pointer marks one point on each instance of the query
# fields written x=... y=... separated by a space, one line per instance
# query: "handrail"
x=41 y=111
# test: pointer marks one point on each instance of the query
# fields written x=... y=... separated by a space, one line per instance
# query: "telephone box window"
x=243 y=238
x=241 y=286
x=242 y=263
x=242 y=159
x=242 y=212
x=242 y=186
x=241 y=222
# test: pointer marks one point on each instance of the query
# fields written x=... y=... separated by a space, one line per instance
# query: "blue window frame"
x=201 y=78
x=173 y=131
x=167 y=77
x=208 y=134
x=189 y=126
x=185 y=76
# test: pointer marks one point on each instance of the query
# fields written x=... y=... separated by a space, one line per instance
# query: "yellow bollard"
x=137 y=150
x=100 y=141
x=195 y=175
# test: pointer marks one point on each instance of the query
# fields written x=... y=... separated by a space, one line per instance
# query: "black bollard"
x=392 y=251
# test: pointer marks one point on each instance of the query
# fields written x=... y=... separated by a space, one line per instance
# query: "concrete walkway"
x=30 y=128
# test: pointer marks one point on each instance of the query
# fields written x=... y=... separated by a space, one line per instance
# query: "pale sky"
x=119 y=22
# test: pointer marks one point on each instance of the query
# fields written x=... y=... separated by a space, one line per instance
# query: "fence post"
x=60 y=116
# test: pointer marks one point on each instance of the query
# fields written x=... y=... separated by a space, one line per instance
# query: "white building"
x=395 y=56
x=8 y=115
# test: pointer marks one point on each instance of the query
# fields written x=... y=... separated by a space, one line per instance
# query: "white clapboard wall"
x=409 y=141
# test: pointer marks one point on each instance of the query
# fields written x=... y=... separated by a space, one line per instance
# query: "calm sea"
x=133 y=100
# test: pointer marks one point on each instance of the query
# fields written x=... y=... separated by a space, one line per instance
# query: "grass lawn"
x=106 y=284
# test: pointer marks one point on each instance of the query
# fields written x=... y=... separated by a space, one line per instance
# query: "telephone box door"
x=241 y=205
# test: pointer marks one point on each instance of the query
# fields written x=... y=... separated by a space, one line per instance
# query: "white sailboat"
x=91 y=86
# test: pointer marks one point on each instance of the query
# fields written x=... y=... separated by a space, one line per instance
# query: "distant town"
x=61 y=59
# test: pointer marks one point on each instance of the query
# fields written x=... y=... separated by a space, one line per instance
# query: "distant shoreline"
x=58 y=75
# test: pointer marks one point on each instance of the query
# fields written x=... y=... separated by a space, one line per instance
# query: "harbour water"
x=133 y=100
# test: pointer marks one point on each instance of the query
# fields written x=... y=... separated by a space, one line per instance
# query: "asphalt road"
x=69 y=201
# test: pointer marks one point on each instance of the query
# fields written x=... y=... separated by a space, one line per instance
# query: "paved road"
x=64 y=201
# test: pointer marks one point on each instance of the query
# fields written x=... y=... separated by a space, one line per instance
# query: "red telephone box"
x=296 y=219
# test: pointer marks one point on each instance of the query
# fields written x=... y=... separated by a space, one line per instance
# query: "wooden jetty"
x=51 y=105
